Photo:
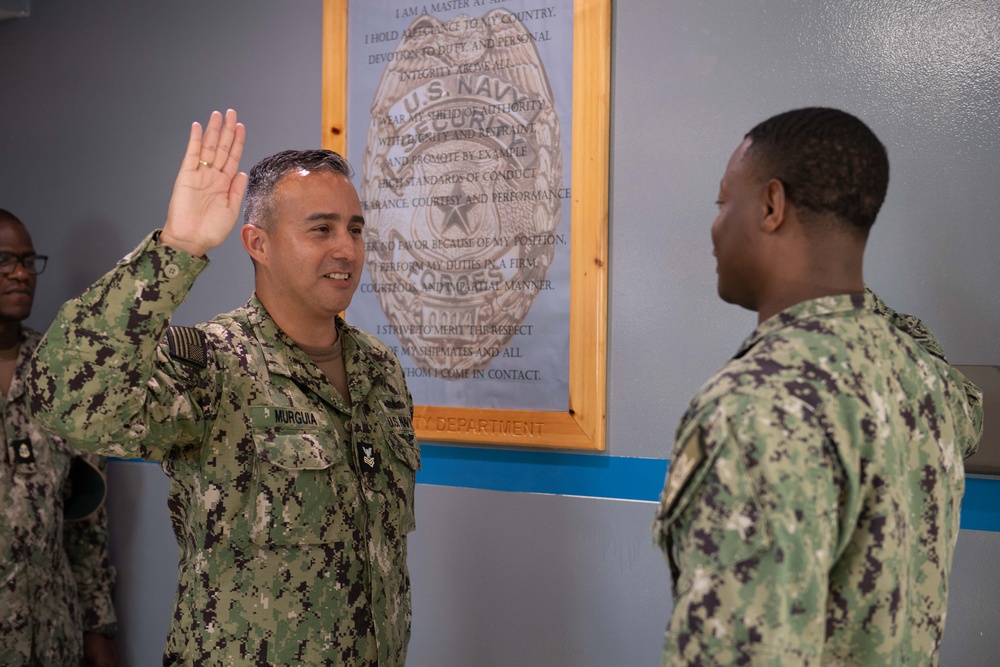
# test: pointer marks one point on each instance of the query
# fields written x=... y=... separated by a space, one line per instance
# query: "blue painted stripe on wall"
x=543 y=472
x=613 y=477
x=981 y=504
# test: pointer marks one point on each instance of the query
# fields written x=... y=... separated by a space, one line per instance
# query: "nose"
x=343 y=244
x=20 y=272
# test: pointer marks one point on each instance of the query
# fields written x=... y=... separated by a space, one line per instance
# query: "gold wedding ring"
x=203 y=163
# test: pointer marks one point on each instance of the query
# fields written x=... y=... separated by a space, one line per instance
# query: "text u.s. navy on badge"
x=462 y=184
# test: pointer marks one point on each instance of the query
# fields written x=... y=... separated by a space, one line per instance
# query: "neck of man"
x=321 y=335
x=301 y=328
x=828 y=266
x=10 y=334
x=792 y=294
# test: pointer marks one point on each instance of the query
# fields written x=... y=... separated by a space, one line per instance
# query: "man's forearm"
x=89 y=373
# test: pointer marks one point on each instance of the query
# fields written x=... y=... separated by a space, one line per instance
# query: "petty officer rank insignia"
x=366 y=454
x=23 y=452
x=187 y=344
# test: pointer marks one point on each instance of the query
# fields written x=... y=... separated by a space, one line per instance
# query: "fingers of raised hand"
x=237 y=189
x=210 y=141
x=235 y=152
x=218 y=147
x=225 y=141
x=192 y=154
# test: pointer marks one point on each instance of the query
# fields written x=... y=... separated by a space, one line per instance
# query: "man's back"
x=817 y=519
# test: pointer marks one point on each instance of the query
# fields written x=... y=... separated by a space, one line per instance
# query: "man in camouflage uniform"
x=55 y=597
x=287 y=433
x=812 y=505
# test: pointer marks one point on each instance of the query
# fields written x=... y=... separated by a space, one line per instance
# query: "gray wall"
x=96 y=102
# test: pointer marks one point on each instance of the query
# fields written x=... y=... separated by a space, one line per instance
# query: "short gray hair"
x=265 y=175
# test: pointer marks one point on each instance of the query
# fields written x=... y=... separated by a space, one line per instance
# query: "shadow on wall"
x=485 y=572
x=964 y=303
x=140 y=534
x=90 y=249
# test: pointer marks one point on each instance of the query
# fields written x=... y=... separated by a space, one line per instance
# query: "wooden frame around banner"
x=583 y=425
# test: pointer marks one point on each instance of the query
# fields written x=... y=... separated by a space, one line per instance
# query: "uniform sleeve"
x=86 y=544
x=750 y=528
x=100 y=378
x=918 y=331
x=909 y=324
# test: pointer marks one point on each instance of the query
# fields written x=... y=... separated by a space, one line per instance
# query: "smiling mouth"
x=338 y=276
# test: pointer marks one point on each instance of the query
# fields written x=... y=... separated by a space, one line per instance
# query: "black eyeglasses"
x=32 y=263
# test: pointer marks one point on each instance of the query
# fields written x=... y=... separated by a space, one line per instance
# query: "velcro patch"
x=187 y=344
x=683 y=465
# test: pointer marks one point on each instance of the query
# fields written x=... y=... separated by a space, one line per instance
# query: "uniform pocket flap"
x=294 y=439
x=404 y=447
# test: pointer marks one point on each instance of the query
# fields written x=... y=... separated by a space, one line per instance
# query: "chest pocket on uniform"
x=298 y=478
x=389 y=459
x=399 y=480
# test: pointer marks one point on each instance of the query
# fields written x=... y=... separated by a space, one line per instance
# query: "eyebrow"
x=335 y=217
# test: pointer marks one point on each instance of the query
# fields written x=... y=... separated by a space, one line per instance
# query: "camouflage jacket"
x=290 y=508
x=55 y=574
x=812 y=504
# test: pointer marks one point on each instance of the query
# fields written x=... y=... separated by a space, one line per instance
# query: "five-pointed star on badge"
x=457 y=215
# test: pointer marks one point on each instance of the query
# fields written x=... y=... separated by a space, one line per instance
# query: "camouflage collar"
x=364 y=362
x=825 y=306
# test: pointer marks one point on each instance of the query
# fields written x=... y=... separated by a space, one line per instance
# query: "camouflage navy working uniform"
x=55 y=574
x=291 y=508
x=812 y=505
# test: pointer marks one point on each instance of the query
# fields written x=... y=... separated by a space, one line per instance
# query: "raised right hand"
x=208 y=191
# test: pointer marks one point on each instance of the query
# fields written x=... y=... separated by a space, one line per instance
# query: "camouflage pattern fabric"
x=56 y=577
x=290 y=508
x=812 y=504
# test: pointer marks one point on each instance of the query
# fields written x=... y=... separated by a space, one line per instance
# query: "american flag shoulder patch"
x=187 y=344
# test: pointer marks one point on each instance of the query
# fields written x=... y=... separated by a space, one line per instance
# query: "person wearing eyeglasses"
x=55 y=577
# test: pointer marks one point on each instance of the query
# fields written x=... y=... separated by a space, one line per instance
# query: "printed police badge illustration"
x=462 y=187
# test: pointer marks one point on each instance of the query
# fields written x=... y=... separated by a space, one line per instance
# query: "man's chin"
x=735 y=298
x=14 y=314
x=725 y=294
x=343 y=301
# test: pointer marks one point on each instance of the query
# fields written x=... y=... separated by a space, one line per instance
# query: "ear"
x=776 y=206
x=255 y=241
